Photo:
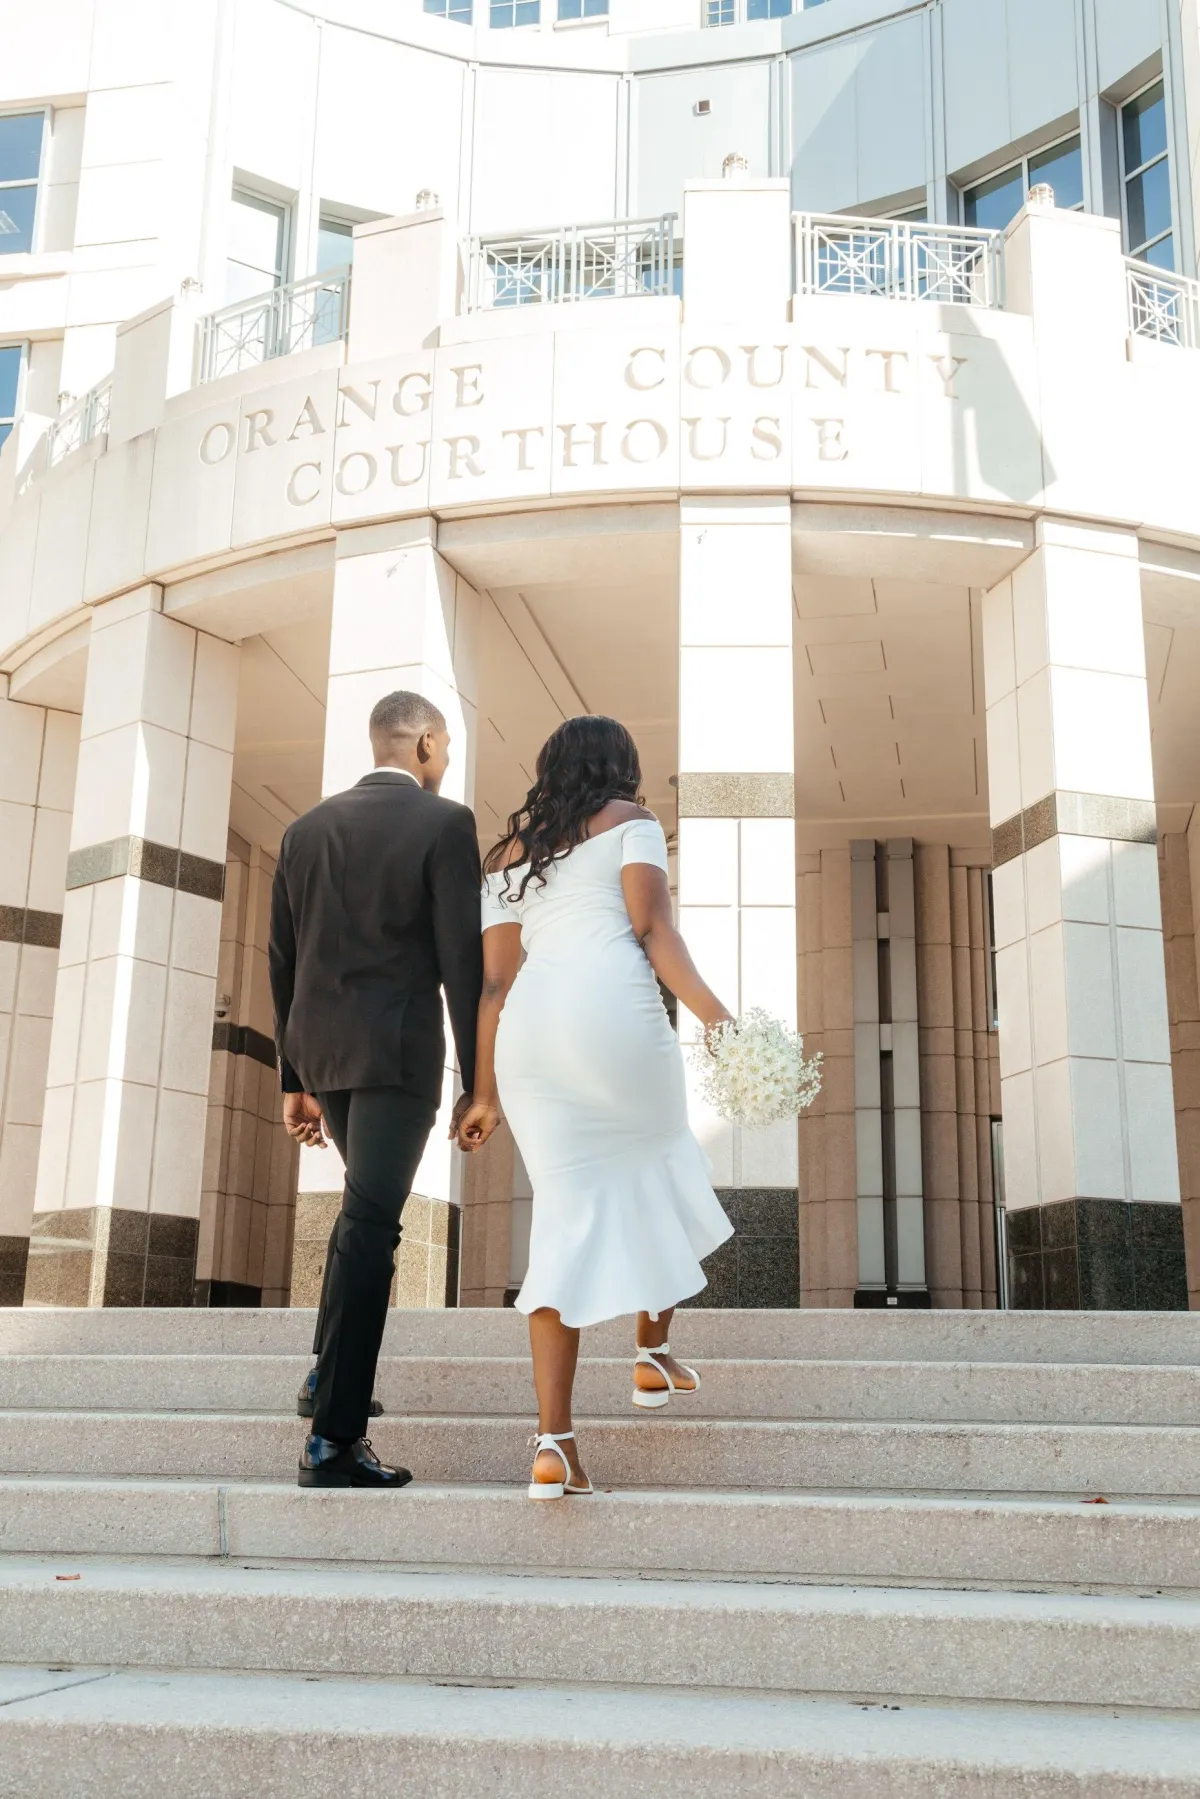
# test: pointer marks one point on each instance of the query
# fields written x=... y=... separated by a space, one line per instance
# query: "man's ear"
x=424 y=750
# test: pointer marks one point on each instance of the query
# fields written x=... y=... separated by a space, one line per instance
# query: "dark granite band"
x=109 y=1256
x=736 y=796
x=1063 y=814
x=241 y=1040
x=20 y=924
x=146 y=861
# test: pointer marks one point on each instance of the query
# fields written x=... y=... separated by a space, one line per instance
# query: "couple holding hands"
x=376 y=913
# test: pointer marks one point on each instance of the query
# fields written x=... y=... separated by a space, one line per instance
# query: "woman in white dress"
x=578 y=1050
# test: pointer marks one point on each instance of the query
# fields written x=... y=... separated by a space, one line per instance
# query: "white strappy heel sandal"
x=554 y=1489
x=653 y=1400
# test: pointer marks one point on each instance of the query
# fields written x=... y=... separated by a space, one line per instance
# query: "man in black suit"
x=374 y=911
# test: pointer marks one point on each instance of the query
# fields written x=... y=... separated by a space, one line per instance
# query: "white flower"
x=754 y=1070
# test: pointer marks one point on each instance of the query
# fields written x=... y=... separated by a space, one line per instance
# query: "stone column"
x=38 y=751
x=119 y=1174
x=1179 y=879
x=1091 y=1169
x=402 y=618
x=737 y=860
x=828 y=1162
x=250 y=1163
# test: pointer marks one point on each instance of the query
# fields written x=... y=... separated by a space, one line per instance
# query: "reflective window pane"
x=1148 y=203
x=768 y=9
x=10 y=375
x=21 y=146
x=995 y=203
x=515 y=12
x=720 y=12
x=1062 y=167
x=256 y=237
x=245 y=283
x=458 y=10
x=1161 y=254
x=17 y=207
x=1144 y=124
x=583 y=9
x=335 y=245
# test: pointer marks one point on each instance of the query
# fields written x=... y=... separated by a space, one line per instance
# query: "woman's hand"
x=477 y=1125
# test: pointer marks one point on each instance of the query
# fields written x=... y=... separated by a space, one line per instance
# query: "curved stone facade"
x=882 y=537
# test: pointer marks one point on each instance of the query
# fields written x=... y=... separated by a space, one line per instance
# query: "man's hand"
x=302 y=1119
x=477 y=1125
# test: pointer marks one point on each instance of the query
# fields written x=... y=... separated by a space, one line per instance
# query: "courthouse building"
x=814 y=388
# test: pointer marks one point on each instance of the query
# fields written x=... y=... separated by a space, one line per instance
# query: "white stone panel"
x=1008 y=902
x=999 y=657
x=204 y=829
x=36 y=982
x=192 y=487
x=112 y=1135
x=736 y=411
x=769 y=1155
x=18 y=1177
x=26 y=1088
x=285 y=457
x=768 y=962
x=120 y=1035
x=187 y=1032
x=60 y=757
x=196 y=934
x=16 y=834
x=62 y=537
x=139 y=669
x=1048 y=997
x=1145 y=1034
x=1036 y=739
x=76 y=925
x=1136 y=895
x=1084 y=871
x=1153 y=1161
x=384 y=441
x=632 y=389
x=21 y=729
x=1086 y=952
x=1093 y=618
x=735 y=581
x=711 y=934
x=484 y=395
x=752 y=685
x=120 y=513
x=130 y=782
x=1003 y=760
x=1096 y=1102
x=129 y=917
x=1012 y=983
x=1101 y=734
x=214 y=692
x=54 y=1149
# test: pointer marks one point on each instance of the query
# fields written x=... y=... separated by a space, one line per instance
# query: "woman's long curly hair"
x=580 y=767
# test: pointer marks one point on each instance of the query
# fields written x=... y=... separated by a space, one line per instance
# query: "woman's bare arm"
x=648 y=902
x=501 y=959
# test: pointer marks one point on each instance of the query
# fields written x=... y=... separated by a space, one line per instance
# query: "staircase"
x=863 y=1562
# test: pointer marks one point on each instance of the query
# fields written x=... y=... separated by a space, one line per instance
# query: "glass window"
x=768 y=9
x=459 y=10
x=10 y=383
x=1146 y=169
x=720 y=12
x=515 y=12
x=335 y=245
x=257 y=246
x=995 y=203
x=583 y=9
x=20 y=162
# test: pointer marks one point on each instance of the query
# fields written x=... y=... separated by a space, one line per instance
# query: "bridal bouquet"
x=754 y=1070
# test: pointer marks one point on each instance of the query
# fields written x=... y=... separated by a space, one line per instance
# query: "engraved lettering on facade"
x=523 y=433
x=352 y=485
x=570 y=444
x=699 y=373
x=423 y=398
x=643 y=379
x=258 y=429
x=216 y=443
x=311 y=486
x=469 y=392
x=464 y=452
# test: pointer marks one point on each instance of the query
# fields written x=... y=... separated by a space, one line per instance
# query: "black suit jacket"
x=375 y=907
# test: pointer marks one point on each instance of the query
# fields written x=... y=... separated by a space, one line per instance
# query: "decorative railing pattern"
x=614 y=260
x=898 y=259
x=298 y=316
x=87 y=418
x=1163 y=306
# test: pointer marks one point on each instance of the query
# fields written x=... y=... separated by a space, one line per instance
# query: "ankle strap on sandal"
x=648 y=1355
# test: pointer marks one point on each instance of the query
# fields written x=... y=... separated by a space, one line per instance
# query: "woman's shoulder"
x=504 y=856
x=618 y=813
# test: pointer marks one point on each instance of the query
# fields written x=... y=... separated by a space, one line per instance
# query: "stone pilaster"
x=737 y=880
x=828 y=1164
x=1091 y=1167
x=120 y=1168
x=1179 y=872
x=402 y=618
x=248 y=1208
x=38 y=752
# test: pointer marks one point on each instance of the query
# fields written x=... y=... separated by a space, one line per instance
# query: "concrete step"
x=896 y=1539
x=219 y=1736
x=1058 y=1649
x=639 y=1450
x=995 y=1392
x=1164 y=1339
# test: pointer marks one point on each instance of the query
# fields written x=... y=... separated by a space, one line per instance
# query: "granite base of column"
x=906 y=1299
x=426 y=1276
x=14 y=1258
x=759 y=1267
x=106 y=1256
x=226 y=1293
x=1097 y=1255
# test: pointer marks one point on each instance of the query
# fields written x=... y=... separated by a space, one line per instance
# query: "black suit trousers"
x=380 y=1134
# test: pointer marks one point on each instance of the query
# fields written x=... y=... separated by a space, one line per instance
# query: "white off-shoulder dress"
x=591 y=1080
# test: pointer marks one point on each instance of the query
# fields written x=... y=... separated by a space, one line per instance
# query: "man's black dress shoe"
x=307 y=1398
x=325 y=1463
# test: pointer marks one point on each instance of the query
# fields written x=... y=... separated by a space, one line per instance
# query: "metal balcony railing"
x=87 y=418
x=1163 y=306
x=298 y=316
x=898 y=259
x=618 y=259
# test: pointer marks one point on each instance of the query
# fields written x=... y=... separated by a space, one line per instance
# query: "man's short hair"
x=405 y=715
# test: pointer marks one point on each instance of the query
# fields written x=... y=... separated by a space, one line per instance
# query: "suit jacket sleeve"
x=281 y=957
x=455 y=880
